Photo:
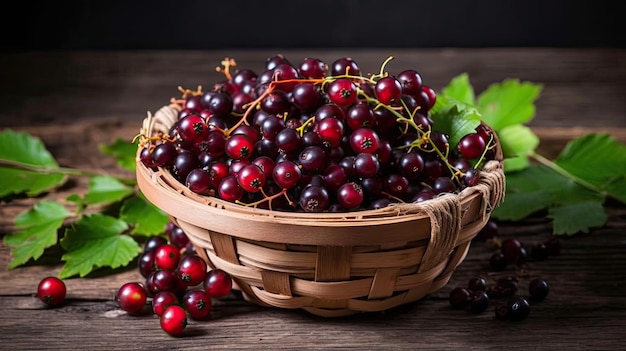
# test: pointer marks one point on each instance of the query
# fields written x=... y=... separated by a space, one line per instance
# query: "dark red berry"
x=132 y=297
x=218 y=283
x=174 y=320
x=51 y=291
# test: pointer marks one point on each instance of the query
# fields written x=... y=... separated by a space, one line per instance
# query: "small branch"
x=54 y=170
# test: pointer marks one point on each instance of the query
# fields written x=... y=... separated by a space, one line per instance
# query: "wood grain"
x=76 y=101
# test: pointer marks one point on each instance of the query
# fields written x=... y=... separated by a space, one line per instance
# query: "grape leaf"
x=577 y=217
x=37 y=230
x=508 y=103
x=519 y=205
x=146 y=218
x=539 y=188
x=26 y=149
x=454 y=118
x=123 y=151
x=106 y=189
x=517 y=142
x=96 y=241
x=599 y=160
x=460 y=89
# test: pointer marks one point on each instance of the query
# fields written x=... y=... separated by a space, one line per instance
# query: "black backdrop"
x=104 y=25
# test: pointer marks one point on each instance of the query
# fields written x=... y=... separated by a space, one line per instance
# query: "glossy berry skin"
x=286 y=174
x=174 y=320
x=162 y=300
x=350 y=195
x=519 y=308
x=538 y=289
x=251 y=178
x=51 y=291
x=191 y=270
x=364 y=140
x=132 y=297
x=167 y=257
x=342 y=92
x=197 y=303
x=471 y=146
x=388 y=90
x=218 y=283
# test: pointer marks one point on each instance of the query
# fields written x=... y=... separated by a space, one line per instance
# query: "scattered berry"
x=132 y=297
x=174 y=320
x=51 y=291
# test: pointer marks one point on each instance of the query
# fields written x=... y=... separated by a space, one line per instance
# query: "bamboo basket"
x=329 y=264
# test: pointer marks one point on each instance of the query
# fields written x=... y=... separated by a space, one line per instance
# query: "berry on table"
x=51 y=291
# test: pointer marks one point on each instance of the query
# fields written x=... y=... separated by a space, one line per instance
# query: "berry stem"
x=56 y=170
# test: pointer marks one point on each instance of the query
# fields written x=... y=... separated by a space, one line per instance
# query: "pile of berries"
x=477 y=296
x=313 y=138
x=178 y=282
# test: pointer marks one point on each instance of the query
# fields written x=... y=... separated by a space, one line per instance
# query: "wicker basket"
x=329 y=264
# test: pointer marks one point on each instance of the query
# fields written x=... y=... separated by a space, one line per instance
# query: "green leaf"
x=599 y=160
x=96 y=241
x=508 y=103
x=455 y=118
x=577 y=217
x=516 y=163
x=123 y=151
x=38 y=229
x=517 y=141
x=106 y=189
x=145 y=218
x=460 y=89
x=538 y=188
x=25 y=149
x=519 y=205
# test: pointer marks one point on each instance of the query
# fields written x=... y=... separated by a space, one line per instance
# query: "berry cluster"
x=313 y=138
x=178 y=282
x=477 y=296
x=513 y=252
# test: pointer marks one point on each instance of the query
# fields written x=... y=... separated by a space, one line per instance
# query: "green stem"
x=55 y=170
x=560 y=170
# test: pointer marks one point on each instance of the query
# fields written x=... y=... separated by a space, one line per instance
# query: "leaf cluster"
x=89 y=241
x=571 y=189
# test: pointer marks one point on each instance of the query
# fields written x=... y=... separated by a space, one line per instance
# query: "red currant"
x=218 y=283
x=342 y=92
x=364 y=140
x=162 y=300
x=51 y=291
x=192 y=128
x=251 y=178
x=192 y=270
x=174 y=320
x=132 y=297
x=239 y=146
x=350 y=195
x=330 y=131
x=197 y=303
x=286 y=174
x=388 y=90
x=167 y=257
x=471 y=146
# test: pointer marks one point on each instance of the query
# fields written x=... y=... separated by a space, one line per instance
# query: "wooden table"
x=75 y=101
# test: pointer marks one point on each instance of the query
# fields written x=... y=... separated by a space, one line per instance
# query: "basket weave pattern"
x=330 y=264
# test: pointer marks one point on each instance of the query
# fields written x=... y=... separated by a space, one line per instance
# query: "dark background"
x=206 y=25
